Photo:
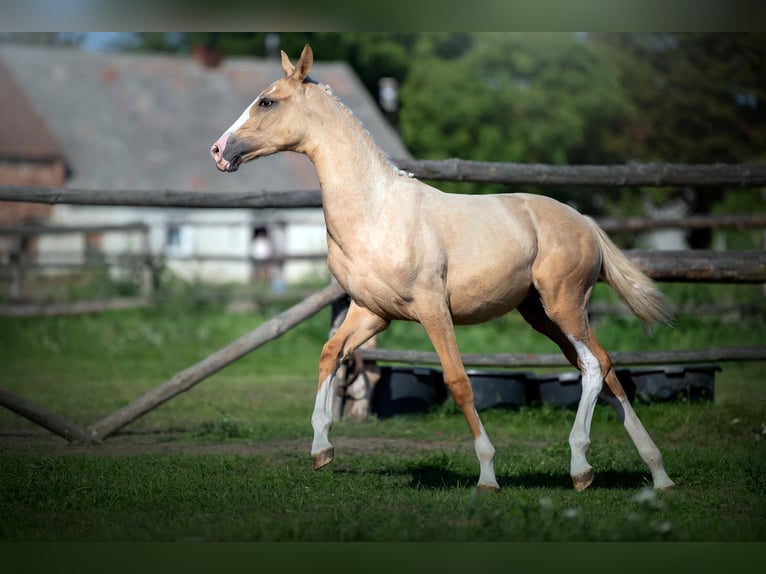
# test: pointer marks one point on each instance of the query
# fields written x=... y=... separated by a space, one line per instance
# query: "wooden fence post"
x=42 y=417
x=147 y=274
x=186 y=379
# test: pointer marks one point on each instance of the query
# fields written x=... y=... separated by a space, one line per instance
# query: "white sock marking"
x=485 y=452
x=592 y=380
x=321 y=418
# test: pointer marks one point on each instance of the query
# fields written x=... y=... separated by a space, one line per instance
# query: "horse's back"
x=524 y=224
x=516 y=241
x=568 y=250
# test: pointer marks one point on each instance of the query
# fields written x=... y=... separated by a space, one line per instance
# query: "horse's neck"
x=353 y=172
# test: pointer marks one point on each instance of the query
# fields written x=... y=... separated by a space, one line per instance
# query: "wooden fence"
x=747 y=267
x=662 y=266
x=143 y=264
x=19 y=264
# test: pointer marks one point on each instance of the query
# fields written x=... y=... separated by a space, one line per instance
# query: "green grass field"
x=229 y=461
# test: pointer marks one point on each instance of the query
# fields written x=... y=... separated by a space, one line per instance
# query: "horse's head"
x=270 y=124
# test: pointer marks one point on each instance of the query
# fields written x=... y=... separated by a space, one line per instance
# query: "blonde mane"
x=355 y=120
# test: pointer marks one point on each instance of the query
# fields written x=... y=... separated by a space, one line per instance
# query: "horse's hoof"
x=323 y=458
x=583 y=480
x=487 y=488
x=665 y=487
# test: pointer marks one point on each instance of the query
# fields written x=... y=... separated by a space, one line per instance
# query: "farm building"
x=122 y=121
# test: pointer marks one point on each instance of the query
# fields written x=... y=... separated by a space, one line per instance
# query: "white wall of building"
x=190 y=240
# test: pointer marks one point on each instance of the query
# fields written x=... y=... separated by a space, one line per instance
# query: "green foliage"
x=698 y=96
x=511 y=97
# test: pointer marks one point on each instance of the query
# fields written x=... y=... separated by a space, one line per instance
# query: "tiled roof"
x=138 y=121
x=23 y=133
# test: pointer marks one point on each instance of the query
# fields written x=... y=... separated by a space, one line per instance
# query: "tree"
x=533 y=98
x=699 y=98
x=372 y=54
x=696 y=96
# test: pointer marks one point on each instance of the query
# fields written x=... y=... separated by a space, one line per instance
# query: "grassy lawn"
x=228 y=461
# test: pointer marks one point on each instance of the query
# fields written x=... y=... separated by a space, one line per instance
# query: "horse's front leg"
x=438 y=324
x=358 y=326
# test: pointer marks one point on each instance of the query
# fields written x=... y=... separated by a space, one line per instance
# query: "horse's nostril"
x=215 y=149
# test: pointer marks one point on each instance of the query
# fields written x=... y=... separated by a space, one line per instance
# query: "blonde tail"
x=637 y=290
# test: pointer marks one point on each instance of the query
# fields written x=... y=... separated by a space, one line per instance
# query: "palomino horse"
x=404 y=250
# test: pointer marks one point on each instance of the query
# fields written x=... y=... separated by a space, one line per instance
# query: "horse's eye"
x=265 y=103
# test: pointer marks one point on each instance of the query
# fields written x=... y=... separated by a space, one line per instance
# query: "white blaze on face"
x=240 y=121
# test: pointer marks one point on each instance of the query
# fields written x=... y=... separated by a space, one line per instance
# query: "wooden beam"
x=701 y=265
x=43 y=417
x=629 y=175
x=712 y=355
x=46 y=309
x=637 y=224
x=167 y=198
x=609 y=224
x=186 y=379
x=34 y=229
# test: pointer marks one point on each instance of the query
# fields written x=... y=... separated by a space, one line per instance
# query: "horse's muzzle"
x=225 y=156
x=217 y=153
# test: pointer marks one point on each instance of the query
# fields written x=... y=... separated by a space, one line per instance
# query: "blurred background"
x=138 y=111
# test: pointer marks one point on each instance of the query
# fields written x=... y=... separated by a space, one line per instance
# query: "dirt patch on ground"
x=169 y=443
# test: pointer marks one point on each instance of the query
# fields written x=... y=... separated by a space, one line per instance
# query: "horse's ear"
x=303 y=67
x=286 y=64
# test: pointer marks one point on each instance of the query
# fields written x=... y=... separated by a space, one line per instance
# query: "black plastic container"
x=565 y=389
x=500 y=389
x=686 y=383
x=559 y=389
x=407 y=390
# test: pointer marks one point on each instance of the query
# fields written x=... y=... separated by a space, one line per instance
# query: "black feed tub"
x=407 y=390
x=673 y=383
x=565 y=389
x=500 y=389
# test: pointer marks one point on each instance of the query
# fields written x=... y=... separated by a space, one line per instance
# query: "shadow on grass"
x=434 y=477
x=440 y=477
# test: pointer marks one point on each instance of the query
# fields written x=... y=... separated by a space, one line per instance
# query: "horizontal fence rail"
x=701 y=265
x=67 y=229
x=167 y=198
x=628 y=175
x=639 y=224
x=105 y=259
x=662 y=266
x=609 y=224
x=683 y=356
x=631 y=175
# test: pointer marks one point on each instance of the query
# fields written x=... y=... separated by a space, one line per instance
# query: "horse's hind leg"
x=647 y=450
x=358 y=326
x=581 y=353
x=567 y=326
